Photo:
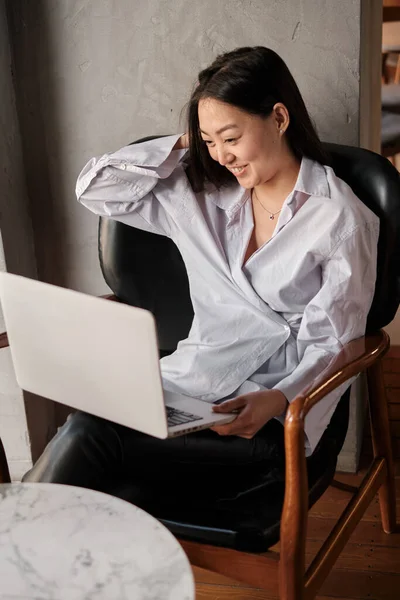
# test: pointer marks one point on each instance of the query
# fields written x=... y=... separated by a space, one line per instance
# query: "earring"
x=281 y=131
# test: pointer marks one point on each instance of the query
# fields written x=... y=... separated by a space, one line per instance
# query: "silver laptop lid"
x=87 y=352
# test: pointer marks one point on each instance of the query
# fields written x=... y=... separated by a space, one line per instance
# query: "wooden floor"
x=368 y=569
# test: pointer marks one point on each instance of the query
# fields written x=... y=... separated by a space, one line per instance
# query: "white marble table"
x=67 y=543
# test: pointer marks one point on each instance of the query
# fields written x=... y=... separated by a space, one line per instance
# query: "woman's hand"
x=256 y=409
x=182 y=143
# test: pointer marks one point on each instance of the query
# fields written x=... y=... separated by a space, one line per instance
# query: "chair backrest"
x=144 y=269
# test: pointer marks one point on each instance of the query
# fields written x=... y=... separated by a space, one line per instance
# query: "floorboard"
x=368 y=568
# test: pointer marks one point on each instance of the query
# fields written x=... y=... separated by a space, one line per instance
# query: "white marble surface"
x=67 y=543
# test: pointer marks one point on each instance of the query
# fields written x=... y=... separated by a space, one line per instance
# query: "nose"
x=224 y=156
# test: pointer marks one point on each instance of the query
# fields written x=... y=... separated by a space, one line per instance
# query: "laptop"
x=97 y=356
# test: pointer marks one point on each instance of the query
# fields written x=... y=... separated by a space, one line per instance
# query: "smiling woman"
x=257 y=83
x=253 y=149
x=281 y=260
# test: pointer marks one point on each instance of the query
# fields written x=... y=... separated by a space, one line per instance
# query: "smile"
x=237 y=170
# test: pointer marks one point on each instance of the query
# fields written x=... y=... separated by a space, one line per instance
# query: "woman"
x=281 y=259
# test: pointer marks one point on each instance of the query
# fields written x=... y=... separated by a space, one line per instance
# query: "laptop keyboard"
x=180 y=417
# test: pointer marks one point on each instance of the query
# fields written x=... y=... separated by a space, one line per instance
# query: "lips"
x=238 y=170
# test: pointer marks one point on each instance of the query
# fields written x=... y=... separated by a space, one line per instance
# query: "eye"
x=230 y=140
x=208 y=142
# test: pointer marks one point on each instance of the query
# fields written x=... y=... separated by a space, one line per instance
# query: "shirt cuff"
x=153 y=154
x=138 y=165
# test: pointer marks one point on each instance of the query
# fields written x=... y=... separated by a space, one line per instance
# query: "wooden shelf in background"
x=390 y=13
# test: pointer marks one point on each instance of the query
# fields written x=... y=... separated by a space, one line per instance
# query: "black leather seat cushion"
x=253 y=527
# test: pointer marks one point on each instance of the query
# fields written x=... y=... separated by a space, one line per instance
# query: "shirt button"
x=123 y=166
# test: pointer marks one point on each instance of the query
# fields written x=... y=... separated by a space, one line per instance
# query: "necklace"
x=271 y=215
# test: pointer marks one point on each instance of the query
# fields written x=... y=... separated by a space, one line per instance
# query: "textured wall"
x=16 y=254
x=15 y=223
x=94 y=74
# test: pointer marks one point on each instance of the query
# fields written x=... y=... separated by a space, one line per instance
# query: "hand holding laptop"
x=254 y=411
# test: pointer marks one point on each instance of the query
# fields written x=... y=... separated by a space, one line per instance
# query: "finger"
x=225 y=430
x=247 y=436
x=222 y=430
x=230 y=405
x=237 y=427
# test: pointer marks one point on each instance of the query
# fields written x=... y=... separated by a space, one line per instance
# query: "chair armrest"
x=4 y=340
x=355 y=357
x=111 y=297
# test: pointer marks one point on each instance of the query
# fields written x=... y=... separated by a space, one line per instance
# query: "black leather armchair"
x=146 y=270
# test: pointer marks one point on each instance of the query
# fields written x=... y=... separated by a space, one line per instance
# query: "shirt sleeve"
x=120 y=185
x=335 y=316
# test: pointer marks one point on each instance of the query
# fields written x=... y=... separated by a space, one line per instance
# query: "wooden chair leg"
x=382 y=445
x=397 y=72
x=295 y=511
x=4 y=471
x=384 y=74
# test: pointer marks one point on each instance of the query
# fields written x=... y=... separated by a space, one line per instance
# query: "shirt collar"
x=311 y=180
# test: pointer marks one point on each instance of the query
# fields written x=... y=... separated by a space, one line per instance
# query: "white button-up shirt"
x=275 y=321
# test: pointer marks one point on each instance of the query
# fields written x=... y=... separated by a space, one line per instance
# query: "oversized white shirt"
x=274 y=322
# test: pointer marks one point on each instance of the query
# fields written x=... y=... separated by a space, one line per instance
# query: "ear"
x=281 y=116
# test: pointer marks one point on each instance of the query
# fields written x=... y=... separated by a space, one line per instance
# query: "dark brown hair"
x=252 y=79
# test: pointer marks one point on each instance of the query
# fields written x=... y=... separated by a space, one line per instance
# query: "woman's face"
x=251 y=147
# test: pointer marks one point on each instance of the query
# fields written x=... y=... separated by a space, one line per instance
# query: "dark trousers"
x=91 y=452
x=199 y=467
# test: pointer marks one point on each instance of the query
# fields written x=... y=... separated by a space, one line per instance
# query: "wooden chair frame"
x=285 y=573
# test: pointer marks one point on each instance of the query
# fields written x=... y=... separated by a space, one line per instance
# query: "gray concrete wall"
x=92 y=75
x=16 y=255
